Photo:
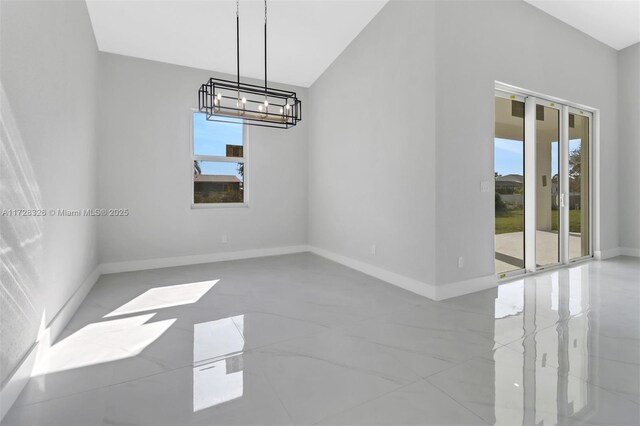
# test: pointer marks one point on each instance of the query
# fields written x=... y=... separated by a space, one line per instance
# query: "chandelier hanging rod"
x=238 y=40
x=265 y=45
x=236 y=102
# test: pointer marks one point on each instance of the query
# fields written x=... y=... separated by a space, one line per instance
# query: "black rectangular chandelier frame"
x=227 y=101
x=234 y=102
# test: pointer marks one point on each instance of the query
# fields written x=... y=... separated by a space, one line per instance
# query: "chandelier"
x=227 y=101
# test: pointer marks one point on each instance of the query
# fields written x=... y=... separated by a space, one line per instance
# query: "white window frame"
x=244 y=160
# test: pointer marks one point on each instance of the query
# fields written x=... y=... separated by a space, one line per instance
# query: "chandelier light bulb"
x=281 y=110
x=288 y=106
x=244 y=100
x=260 y=108
x=219 y=96
x=266 y=104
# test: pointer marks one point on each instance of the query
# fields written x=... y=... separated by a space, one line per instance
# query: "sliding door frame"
x=530 y=199
x=531 y=100
x=562 y=169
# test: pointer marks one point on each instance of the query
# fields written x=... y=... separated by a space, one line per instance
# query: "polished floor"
x=298 y=339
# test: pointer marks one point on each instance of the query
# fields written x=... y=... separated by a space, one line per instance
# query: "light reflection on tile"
x=506 y=388
x=217 y=358
x=217 y=382
x=216 y=339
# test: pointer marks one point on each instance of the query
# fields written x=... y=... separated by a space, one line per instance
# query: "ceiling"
x=304 y=38
x=613 y=22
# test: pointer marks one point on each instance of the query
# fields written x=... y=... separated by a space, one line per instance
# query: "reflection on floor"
x=298 y=339
x=510 y=249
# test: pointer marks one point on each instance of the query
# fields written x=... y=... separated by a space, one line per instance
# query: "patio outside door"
x=542 y=184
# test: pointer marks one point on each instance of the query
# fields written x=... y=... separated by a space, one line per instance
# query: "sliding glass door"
x=542 y=184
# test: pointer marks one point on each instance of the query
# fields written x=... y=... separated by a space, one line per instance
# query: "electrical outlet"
x=373 y=249
x=460 y=262
x=485 y=186
x=223 y=239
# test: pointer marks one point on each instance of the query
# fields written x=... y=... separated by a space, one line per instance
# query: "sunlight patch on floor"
x=102 y=342
x=165 y=297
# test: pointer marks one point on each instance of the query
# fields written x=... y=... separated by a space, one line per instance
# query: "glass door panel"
x=547 y=186
x=578 y=186
x=509 y=185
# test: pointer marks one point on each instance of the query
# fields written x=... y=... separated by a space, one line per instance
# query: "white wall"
x=629 y=125
x=145 y=166
x=403 y=126
x=48 y=77
x=515 y=43
x=372 y=146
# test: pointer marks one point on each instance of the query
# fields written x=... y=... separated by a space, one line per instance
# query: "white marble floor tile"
x=230 y=391
x=93 y=361
x=86 y=408
x=337 y=348
x=508 y=388
x=313 y=387
x=417 y=404
x=576 y=347
x=424 y=344
x=298 y=339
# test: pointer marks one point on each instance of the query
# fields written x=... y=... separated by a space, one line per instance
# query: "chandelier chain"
x=238 y=42
x=265 y=45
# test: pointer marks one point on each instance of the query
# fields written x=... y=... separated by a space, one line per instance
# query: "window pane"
x=218 y=182
x=214 y=138
x=578 y=186
x=509 y=185
x=548 y=184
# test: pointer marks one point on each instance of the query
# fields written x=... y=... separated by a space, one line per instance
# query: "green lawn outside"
x=574 y=221
x=513 y=221
x=509 y=221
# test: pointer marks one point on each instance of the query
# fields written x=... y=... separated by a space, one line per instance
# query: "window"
x=219 y=162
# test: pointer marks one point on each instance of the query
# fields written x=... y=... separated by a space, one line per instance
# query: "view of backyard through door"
x=549 y=189
x=509 y=185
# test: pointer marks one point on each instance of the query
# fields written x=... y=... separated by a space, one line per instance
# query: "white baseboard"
x=460 y=288
x=166 y=262
x=606 y=254
x=21 y=374
x=626 y=251
x=61 y=319
x=407 y=283
x=433 y=292
x=615 y=252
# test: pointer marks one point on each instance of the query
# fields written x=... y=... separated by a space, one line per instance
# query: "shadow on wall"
x=20 y=246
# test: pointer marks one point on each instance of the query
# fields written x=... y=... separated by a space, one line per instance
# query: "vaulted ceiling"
x=613 y=22
x=304 y=37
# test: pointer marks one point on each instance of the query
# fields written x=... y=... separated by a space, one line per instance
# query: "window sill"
x=201 y=206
